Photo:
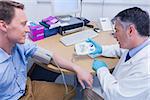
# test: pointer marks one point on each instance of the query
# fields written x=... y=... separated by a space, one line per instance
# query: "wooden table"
x=54 y=45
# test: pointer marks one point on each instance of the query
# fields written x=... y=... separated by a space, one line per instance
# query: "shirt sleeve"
x=30 y=48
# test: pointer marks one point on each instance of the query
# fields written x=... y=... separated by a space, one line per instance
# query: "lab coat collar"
x=3 y=56
x=143 y=53
x=133 y=51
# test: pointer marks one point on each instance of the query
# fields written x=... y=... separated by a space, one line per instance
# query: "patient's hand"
x=84 y=78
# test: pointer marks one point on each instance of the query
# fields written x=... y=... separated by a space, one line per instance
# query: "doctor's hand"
x=98 y=64
x=85 y=78
x=97 y=46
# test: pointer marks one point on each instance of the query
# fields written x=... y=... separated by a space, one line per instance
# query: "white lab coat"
x=130 y=80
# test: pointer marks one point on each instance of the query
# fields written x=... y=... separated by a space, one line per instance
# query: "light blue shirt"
x=133 y=51
x=13 y=70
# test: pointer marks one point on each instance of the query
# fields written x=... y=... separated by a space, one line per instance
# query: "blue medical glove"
x=98 y=64
x=97 y=46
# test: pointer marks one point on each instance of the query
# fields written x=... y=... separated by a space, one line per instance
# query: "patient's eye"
x=24 y=23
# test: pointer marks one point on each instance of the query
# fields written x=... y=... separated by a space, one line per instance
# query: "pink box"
x=37 y=37
x=36 y=32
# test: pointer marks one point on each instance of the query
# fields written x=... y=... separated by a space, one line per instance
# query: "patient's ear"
x=3 y=26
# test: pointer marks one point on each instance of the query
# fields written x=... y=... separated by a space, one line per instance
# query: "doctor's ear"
x=3 y=26
x=131 y=29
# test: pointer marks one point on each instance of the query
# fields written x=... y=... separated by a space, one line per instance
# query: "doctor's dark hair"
x=136 y=16
x=7 y=10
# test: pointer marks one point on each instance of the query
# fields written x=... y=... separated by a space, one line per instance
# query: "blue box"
x=49 y=32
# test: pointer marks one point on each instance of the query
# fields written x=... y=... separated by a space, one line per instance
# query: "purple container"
x=36 y=32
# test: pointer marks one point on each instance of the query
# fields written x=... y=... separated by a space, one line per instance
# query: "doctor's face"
x=121 y=35
x=17 y=28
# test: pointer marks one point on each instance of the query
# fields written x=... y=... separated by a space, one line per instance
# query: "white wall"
x=92 y=9
x=37 y=9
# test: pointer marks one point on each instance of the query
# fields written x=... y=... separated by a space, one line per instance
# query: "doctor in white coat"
x=130 y=79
